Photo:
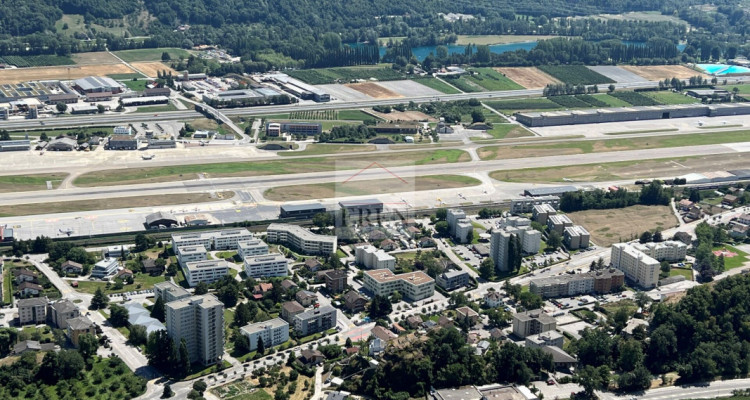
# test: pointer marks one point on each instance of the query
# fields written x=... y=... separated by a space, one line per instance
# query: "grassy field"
x=512 y=106
x=622 y=224
x=465 y=84
x=7 y=286
x=666 y=97
x=157 y=109
x=575 y=74
x=368 y=187
x=623 y=170
x=491 y=80
x=506 y=131
x=281 y=167
x=25 y=183
x=144 y=280
x=743 y=89
x=138 y=86
x=52 y=133
x=687 y=273
x=355 y=115
x=322 y=148
x=151 y=54
x=107 y=204
x=125 y=76
x=71 y=24
x=499 y=39
x=606 y=145
x=733 y=262
x=438 y=85
x=344 y=75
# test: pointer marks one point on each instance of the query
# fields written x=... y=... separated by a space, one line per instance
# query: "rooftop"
x=204 y=300
x=262 y=326
x=205 y=264
x=80 y=323
x=386 y=275
x=537 y=314
x=300 y=232
x=315 y=311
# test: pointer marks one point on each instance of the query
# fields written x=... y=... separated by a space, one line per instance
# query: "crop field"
x=528 y=77
x=661 y=72
x=465 y=84
x=575 y=74
x=97 y=57
x=152 y=69
x=440 y=86
x=369 y=187
x=280 y=167
x=569 y=102
x=623 y=224
x=71 y=72
x=594 y=101
x=36 y=61
x=374 y=90
x=635 y=98
x=344 y=75
x=511 y=106
x=151 y=54
x=491 y=80
x=666 y=97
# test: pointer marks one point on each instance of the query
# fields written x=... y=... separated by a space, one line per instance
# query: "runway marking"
x=678 y=164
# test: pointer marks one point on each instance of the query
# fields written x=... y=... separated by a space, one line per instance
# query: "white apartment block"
x=272 y=332
x=664 y=251
x=266 y=265
x=412 y=285
x=531 y=239
x=200 y=321
x=515 y=221
x=499 y=242
x=541 y=212
x=373 y=258
x=208 y=271
x=637 y=266
x=105 y=268
x=576 y=237
x=186 y=254
x=301 y=239
x=452 y=216
x=558 y=223
x=169 y=291
x=459 y=225
x=226 y=239
x=252 y=247
x=522 y=205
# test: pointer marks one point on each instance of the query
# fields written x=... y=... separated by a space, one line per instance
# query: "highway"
x=110 y=119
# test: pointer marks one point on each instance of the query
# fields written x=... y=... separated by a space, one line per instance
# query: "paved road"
x=706 y=391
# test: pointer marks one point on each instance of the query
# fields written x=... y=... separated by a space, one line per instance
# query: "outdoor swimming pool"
x=723 y=69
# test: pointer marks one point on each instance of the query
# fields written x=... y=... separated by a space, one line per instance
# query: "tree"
x=515 y=255
x=100 y=300
x=159 y=311
x=49 y=370
x=442 y=228
x=8 y=338
x=138 y=335
x=593 y=378
x=441 y=214
x=322 y=220
x=261 y=348
x=143 y=242
x=348 y=342
x=477 y=116
x=380 y=307
x=487 y=268
x=61 y=107
x=242 y=315
x=87 y=345
x=645 y=237
x=172 y=269
x=100 y=109
x=396 y=296
x=200 y=386
x=182 y=367
x=71 y=364
x=241 y=343
x=554 y=240
x=201 y=288
x=530 y=301
x=118 y=315
x=611 y=88
x=165 y=56
x=167 y=393
x=658 y=238
x=631 y=355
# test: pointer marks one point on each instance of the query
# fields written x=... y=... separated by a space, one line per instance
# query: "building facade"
x=450 y=280
x=32 y=311
x=199 y=320
x=169 y=291
x=576 y=237
x=638 y=267
x=272 y=332
x=532 y=322
x=315 y=320
x=208 y=271
x=370 y=257
x=104 y=268
x=301 y=239
x=522 y=205
x=267 y=265
x=412 y=285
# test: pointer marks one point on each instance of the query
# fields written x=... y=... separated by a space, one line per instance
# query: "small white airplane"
x=147 y=156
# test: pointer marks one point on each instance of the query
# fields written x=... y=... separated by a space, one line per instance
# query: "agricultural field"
x=569 y=101
x=465 y=84
x=345 y=75
x=667 y=97
x=593 y=101
x=59 y=72
x=136 y=85
x=36 y=61
x=368 y=187
x=374 y=90
x=152 y=69
x=97 y=57
x=528 y=77
x=623 y=224
x=662 y=72
x=635 y=98
x=491 y=80
x=575 y=74
x=151 y=54
x=440 y=86
x=511 y=106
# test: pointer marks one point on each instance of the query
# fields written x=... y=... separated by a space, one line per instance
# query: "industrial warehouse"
x=620 y=114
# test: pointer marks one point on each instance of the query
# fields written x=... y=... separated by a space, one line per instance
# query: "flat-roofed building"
x=370 y=257
x=301 y=210
x=314 y=320
x=638 y=267
x=663 y=251
x=208 y=271
x=122 y=142
x=199 y=320
x=97 y=84
x=558 y=223
x=301 y=239
x=15 y=145
x=412 y=285
x=225 y=239
x=289 y=309
x=568 y=285
x=104 y=268
x=335 y=280
x=186 y=254
x=272 y=332
x=532 y=322
x=541 y=212
x=521 y=205
x=266 y=265
x=295 y=128
x=252 y=247
x=169 y=291
x=576 y=237
x=549 y=338
x=454 y=279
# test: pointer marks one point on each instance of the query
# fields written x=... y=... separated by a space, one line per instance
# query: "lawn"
x=733 y=262
x=506 y=131
x=628 y=304
x=281 y=167
x=137 y=85
x=622 y=224
x=368 y=187
x=24 y=183
x=437 y=84
x=151 y=54
x=146 y=281
x=687 y=273
x=322 y=148
x=157 y=109
x=667 y=97
x=119 y=77
x=7 y=286
x=743 y=89
x=491 y=80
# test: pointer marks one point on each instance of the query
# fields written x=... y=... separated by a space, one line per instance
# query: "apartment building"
x=460 y=226
x=335 y=280
x=32 y=310
x=522 y=205
x=558 y=223
x=454 y=279
x=226 y=239
x=314 y=320
x=301 y=239
x=252 y=247
x=104 y=268
x=267 y=265
x=541 y=212
x=199 y=320
x=186 y=254
x=532 y=322
x=530 y=238
x=289 y=309
x=169 y=291
x=549 y=338
x=499 y=242
x=372 y=258
x=412 y=285
x=670 y=250
x=59 y=312
x=272 y=332
x=208 y=271
x=637 y=266
x=568 y=285
x=576 y=237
